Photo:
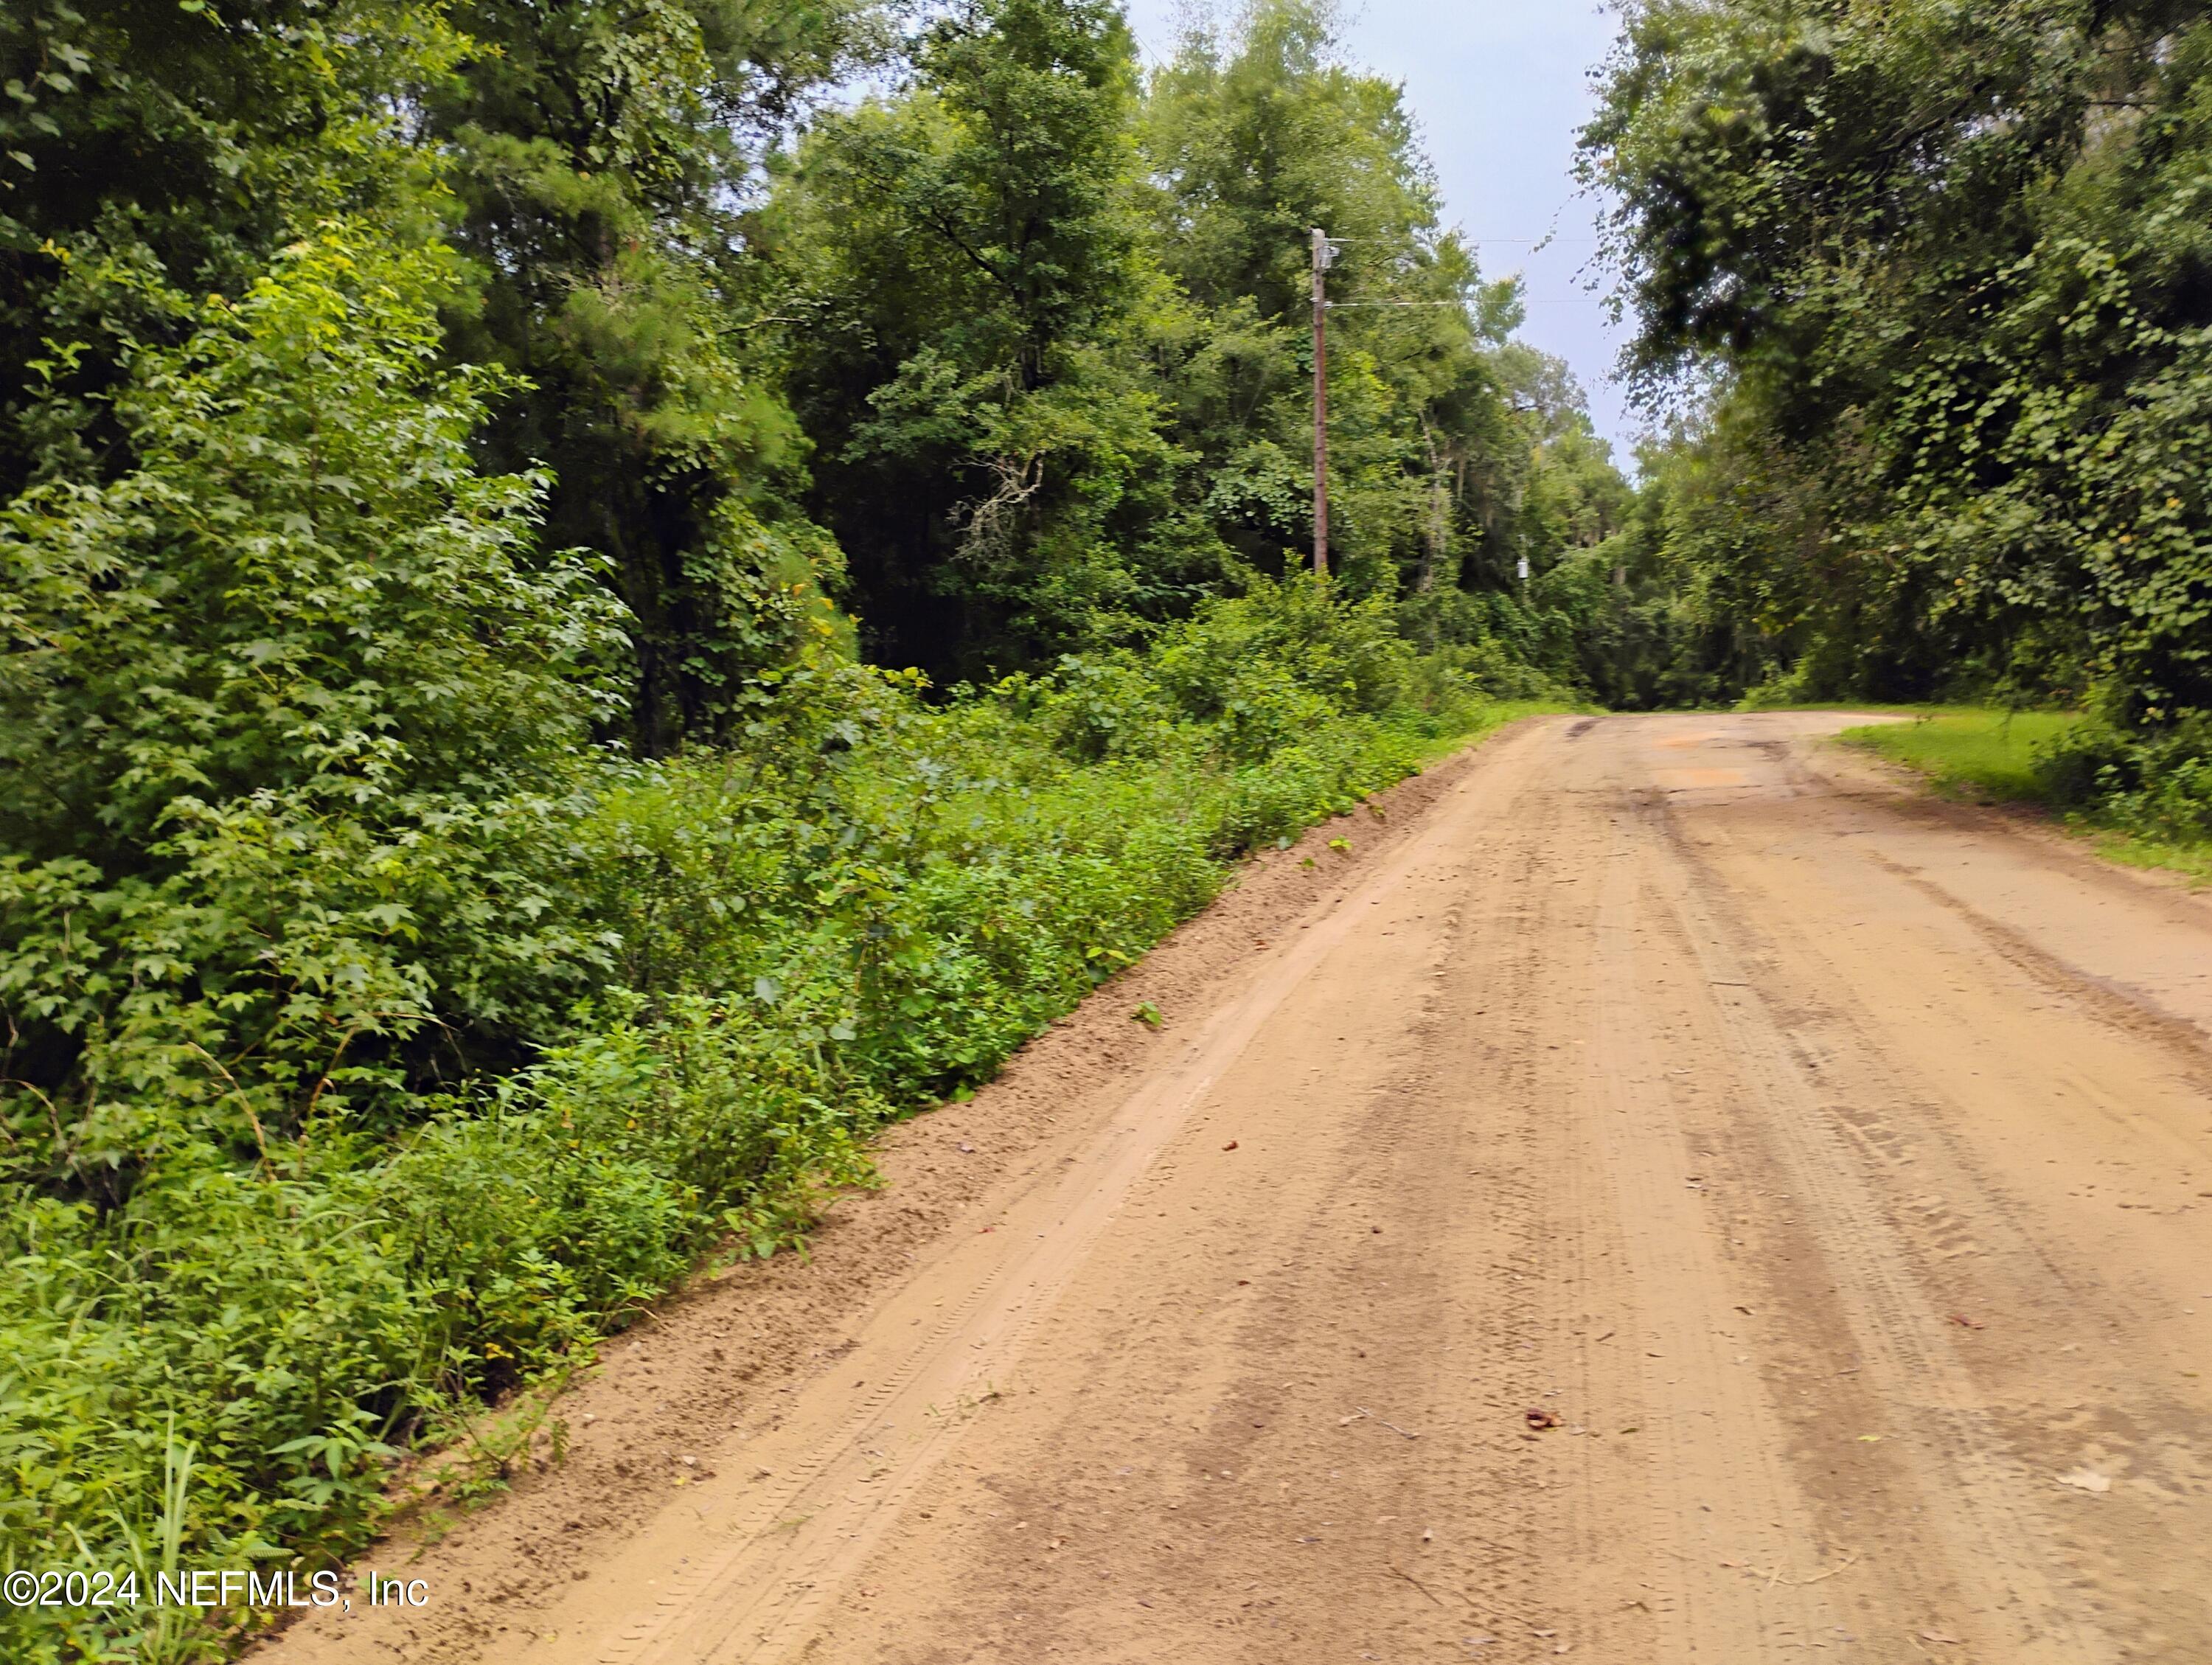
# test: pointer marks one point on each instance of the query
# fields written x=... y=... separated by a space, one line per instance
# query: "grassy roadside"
x=1970 y=751
x=1483 y=721
x=1985 y=755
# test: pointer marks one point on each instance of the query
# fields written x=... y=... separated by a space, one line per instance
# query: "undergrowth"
x=217 y=1347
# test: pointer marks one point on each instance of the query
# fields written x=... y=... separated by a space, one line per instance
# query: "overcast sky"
x=1500 y=87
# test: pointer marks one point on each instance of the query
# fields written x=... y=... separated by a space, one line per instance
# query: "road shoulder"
x=639 y=1429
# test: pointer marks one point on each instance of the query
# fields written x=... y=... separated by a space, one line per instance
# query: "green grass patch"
x=1990 y=755
x=1972 y=751
x=1477 y=721
x=2192 y=859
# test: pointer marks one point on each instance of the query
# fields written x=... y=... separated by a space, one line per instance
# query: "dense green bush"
x=2156 y=786
x=285 y=712
x=1505 y=647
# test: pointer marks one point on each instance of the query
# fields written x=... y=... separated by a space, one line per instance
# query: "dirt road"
x=1828 y=1172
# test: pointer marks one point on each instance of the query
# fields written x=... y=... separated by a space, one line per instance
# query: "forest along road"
x=1692 y=1201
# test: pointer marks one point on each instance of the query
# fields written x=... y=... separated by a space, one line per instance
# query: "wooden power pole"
x=1321 y=257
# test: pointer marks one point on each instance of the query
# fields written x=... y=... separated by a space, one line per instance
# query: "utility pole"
x=1321 y=259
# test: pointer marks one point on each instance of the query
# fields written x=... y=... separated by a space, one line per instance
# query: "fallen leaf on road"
x=1965 y=1322
x=1542 y=1418
x=2086 y=1479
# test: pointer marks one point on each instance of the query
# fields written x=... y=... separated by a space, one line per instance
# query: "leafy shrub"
x=2156 y=786
x=293 y=1324
x=1492 y=643
x=285 y=712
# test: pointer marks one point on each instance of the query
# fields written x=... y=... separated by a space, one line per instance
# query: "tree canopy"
x=1944 y=276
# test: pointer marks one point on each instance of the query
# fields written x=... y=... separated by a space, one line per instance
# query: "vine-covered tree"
x=1948 y=272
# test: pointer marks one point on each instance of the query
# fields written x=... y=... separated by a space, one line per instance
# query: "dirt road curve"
x=1833 y=1170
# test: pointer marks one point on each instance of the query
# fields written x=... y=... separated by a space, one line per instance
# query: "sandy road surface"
x=1835 y=1168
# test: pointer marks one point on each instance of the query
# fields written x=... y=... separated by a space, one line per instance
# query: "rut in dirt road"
x=1689 y=1200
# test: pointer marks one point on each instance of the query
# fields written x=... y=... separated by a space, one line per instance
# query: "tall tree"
x=972 y=286
x=1948 y=274
x=1256 y=134
x=605 y=152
